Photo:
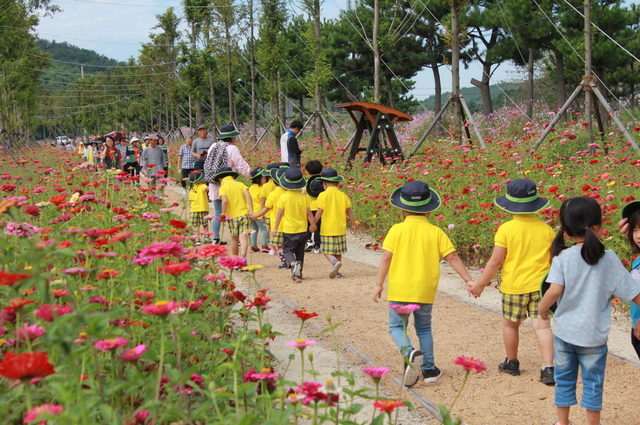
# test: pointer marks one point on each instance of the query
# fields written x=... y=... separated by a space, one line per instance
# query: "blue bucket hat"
x=415 y=196
x=292 y=179
x=521 y=198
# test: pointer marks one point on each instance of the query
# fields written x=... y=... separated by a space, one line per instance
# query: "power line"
x=101 y=66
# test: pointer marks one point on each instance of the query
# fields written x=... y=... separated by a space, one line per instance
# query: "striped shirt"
x=188 y=161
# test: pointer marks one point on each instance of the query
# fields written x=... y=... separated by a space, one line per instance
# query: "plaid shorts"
x=516 y=307
x=197 y=218
x=277 y=240
x=267 y=221
x=334 y=245
x=239 y=225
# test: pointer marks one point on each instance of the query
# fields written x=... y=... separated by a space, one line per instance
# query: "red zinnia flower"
x=387 y=405
x=58 y=199
x=304 y=315
x=469 y=363
x=17 y=303
x=107 y=274
x=175 y=268
x=178 y=224
x=10 y=279
x=211 y=251
x=26 y=366
x=32 y=210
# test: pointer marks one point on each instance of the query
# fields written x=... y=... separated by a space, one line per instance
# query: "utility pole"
x=376 y=52
x=588 y=100
x=455 y=64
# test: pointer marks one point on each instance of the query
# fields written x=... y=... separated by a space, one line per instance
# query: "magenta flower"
x=133 y=354
x=265 y=374
x=301 y=343
x=470 y=363
x=30 y=331
x=157 y=250
x=161 y=308
x=404 y=310
x=44 y=409
x=111 y=344
x=74 y=270
x=376 y=373
x=143 y=261
x=233 y=262
x=48 y=312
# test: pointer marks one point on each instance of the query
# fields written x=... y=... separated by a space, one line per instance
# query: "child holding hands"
x=236 y=207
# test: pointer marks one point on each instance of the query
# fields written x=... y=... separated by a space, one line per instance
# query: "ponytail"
x=558 y=244
x=592 y=249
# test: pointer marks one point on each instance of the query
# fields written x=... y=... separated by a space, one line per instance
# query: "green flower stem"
x=464 y=381
x=161 y=363
x=262 y=345
x=27 y=393
x=302 y=365
x=300 y=331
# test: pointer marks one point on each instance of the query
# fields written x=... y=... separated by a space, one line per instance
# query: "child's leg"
x=263 y=232
x=396 y=329
x=234 y=244
x=566 y=375
x=301 y=241
x=422 y=323
x=254 y=234
x=511 y=336
x=244 y=244
x=636 y=343
x=288 y=248
x=542 y=329
x=593 y=361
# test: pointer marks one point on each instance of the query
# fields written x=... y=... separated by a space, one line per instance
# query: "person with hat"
x=187 y=161
x=236 y=207
x=289 y=150
x=257 y=226
x=333 y=208
x=199 y=205
x=314 y=168
x=411 y=257
x=200 y=146
x=270 y=209
x=266 y=189
x=131 y=158
x=631 y=218
x=295 y=216
x=522 y=249
x=152 y=160
x=165 y=150
x=224 y=153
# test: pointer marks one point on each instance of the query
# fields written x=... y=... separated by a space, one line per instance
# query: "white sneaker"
x=334 y=270
x=316 y=250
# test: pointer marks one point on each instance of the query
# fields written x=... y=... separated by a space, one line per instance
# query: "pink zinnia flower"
x=376 y=373
x=301 y=343
x=30 y=331
x=157 y=250
x=404 y=310
x=143 y=261
x=469 y=363
x=74 y=270
x=312 y=392
x=266 y=373
x=233 y=262
x=60 y=293
x=133 y=354
x=160 y=308
x=48 y=312
x=111 y=344
x=175 y=268
x=140 y=418
x=44 y=409
x=211 y=251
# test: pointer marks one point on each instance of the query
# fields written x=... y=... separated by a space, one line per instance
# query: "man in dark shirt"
x=200 y=147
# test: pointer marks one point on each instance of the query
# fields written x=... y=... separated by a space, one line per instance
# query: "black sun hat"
x=277 y=173
x=195 y=177
x=225 y=172
x=415 y=196
x=630 y=208
x=314 y=186
x=270 y=166
x=330 y=175
x=227 y=132
x=521 y=198
x=258 y=171
x=292 y=179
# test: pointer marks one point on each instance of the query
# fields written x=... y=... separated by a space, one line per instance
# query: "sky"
x=117 y=28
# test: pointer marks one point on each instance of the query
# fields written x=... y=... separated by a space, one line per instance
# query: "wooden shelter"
x=378 y=120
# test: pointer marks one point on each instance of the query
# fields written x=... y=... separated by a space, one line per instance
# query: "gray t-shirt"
x=200 y=146
x=583 y=316
x=152 y=156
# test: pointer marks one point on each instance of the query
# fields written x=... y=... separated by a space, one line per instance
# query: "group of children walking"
x=282 y=208
x=580 y=282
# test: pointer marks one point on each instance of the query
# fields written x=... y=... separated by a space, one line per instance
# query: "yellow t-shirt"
x=333 y=204
x=198 y=197
x=236 y=201
x=313 y=203
x=417 y=247
x=266 y=189
x=254 y=191
x=528 y=241
x=295 y=205
x=271 y=203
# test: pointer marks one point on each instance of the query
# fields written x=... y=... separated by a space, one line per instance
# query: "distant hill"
x=474 y=99
x=61 y=74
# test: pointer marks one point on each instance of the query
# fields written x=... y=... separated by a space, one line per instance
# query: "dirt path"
x=462 y=327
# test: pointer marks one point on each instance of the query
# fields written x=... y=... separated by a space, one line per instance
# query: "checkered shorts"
x=197 y=218
x=239 y=225
x=516 y=307
x=334 y=245
x=277 y=240
x=267 y=221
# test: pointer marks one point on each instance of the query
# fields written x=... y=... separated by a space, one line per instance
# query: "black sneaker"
x=283 y=266
x=432 y=375
x=412 y=368
x=546 y=376
x=296 y=271
x=512 y=367
x=219 y=242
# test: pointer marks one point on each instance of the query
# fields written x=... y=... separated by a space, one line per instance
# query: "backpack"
x=216 y=159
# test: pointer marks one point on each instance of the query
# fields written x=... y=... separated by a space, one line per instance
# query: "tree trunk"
x=376 y=52
x=198 y=105
x=232 y=115
x=301 y=107
x=562 y=83
x=487 y=105
x=212 y=97
x=318 y=89
x=252 y=64
x=437 y=84
x=530 y=84
x=392 y=100
x=455 y=69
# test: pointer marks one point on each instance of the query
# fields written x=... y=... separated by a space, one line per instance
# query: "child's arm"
x=550 y=297
x=312 y=221
x=279 y=215
x=454 y=261
x=492 y=267
x=383 y=269
x=260 y=213
x=225 y=202
x=247 y=197
x=352 y=220
x=318 y=214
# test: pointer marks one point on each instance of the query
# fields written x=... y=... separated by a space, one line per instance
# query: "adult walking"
x=200 y=147
x=110 y=155
x=289 y=150
x=187 y=160
x=152 y=160
x=225 y=147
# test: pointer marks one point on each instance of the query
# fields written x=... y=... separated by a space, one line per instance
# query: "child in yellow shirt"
x=236 y=207
x=199 y=204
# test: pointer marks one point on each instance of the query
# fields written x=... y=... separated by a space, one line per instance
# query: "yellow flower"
x=527 y=172
x=252 y=267
x=613 y=183
x=28 y=267
x=75 y=197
